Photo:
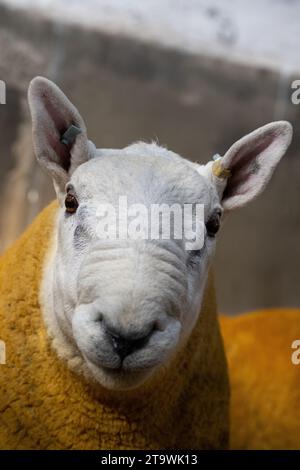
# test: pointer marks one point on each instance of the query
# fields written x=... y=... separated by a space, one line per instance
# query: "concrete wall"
x=195 y=104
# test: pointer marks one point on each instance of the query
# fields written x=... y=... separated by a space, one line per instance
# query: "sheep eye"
x=71 y=203
x=213 y=224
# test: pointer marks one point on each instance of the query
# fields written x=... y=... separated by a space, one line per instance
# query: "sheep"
x=116 y=343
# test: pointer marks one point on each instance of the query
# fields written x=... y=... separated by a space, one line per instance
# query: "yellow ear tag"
x=219 y=171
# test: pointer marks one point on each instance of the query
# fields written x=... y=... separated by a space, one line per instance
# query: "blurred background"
x=194 y=74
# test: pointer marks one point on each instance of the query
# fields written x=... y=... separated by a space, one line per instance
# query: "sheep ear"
x=245 y=169
x=59 y=132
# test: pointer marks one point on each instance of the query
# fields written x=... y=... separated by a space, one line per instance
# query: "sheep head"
x=122 y=306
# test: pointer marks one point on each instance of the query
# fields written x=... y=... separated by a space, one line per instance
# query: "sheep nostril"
x=100 y=317
x=158 y=326
x=125 y=345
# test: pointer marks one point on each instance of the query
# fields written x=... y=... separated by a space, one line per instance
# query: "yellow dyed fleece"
x=43 y=405
x=265 y=383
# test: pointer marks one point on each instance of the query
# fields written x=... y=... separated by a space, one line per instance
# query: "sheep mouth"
x=119 y=375
x=126 y=370
x=120 y=378
x=121 y=368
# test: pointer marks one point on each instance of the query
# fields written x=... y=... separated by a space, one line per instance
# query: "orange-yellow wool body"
x=265 y=384
x=43 y=405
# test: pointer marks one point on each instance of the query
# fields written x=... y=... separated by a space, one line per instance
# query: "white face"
x=128 y=304
x=119 y=309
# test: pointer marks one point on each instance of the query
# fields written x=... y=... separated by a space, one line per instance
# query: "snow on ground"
x=261 y=31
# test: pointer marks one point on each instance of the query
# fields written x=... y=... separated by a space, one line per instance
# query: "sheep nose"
x=125 y=345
